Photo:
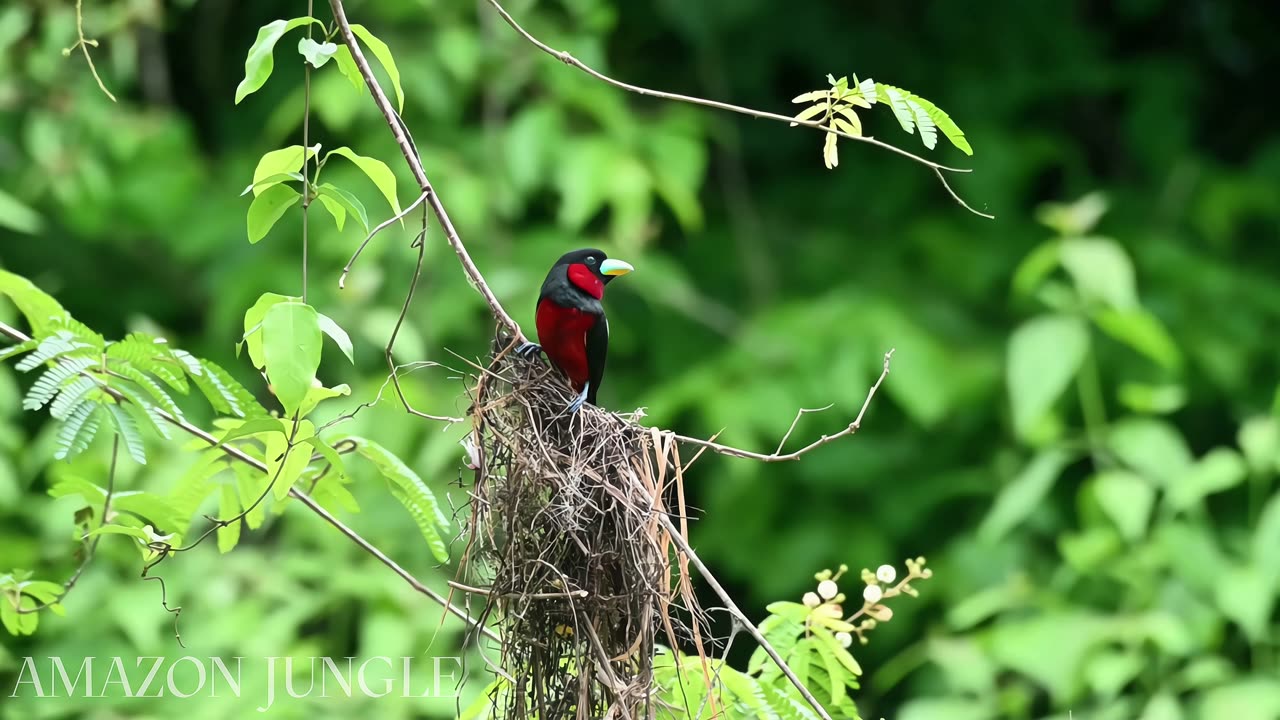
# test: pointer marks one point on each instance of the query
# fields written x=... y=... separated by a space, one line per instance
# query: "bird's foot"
x=528 y=350
x=577 y=403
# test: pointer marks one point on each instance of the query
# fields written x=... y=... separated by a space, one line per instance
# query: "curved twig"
x=346 y=269
x=777 y=455
x=564 y=57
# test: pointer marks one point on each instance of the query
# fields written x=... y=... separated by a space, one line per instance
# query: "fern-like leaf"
x=52 y=380
x=150 y=354
x=412 y=492
x=143 y=410
x=222 y=391
x=75 y=393
x=152 y=388
x=78 y=431
x=914 y=111
x=127 y=428
x=50 y=348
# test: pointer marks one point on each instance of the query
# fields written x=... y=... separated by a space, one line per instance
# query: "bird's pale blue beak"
x=615 y=267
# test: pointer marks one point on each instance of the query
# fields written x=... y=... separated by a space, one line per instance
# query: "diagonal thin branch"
x=420 y=176
x=777 y=455
x=741 y=617
x=564 y=57
x=352 y=535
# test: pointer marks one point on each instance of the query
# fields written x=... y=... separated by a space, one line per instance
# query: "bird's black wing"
x=597 y=351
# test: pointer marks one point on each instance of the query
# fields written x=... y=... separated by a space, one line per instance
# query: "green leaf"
x=78 y=431
x=1246 y=594
x=318 y=394
x=290 y=464
x=228 y=507
x=1050 y=648
x=747 y=692
x=943 y=121
x=1017 y=500
x=338 y=335
x=255 y=427
x=250 y=485
x=1266 y=538
x=1259 y=439
x=1250 y=698
x=412 y=492
x=291 y=341
x=347 y=66
x=267 y=208
x=253 y=325
x=1151 y=447
x=316 y=53
x=127 y=429
x=1141 y=331
x=376 y=170
x=270 y=180
x=17 y=216
x=1101 y=270
x=37 y=306
x=159 y=511
x=383 y=54
x=1220 y=469
x=335 y=209
x=842 y=656
x=133 y=532
x=1044 y=355
x=286 y=162
x=348 y=201
x=1127 y=499
x=260 y=61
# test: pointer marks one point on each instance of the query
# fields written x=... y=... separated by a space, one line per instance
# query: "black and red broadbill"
x=572 y=329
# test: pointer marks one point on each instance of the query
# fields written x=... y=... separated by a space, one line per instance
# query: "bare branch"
x=346 y=269
x=564 y=57
x=415 y=165
x=777 y=455
x=83 y=43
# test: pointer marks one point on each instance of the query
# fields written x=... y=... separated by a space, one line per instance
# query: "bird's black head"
x=595 y=262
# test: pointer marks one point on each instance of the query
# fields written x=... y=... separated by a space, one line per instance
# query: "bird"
x=572 y=329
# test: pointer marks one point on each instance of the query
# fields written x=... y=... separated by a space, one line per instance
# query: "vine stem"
x=239 y=455
x=306 y=144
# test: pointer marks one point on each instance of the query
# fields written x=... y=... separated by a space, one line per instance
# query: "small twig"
x=83 y=43
x=567 y=59
x=796 y=421
x=420 y=175
x=777 y=456
x=733 y=609
x=523 y=596
x=346 y=269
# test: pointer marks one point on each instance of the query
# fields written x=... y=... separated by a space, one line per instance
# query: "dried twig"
x=83 y=43
x=778 y=456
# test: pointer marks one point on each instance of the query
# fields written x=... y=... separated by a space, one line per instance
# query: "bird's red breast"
x=562 y=332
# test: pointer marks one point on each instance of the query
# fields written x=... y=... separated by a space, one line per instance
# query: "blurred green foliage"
x=1079 y=431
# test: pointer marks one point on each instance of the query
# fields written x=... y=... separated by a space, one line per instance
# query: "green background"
x=1094 y=490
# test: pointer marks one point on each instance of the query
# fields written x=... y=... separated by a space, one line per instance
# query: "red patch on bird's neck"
x=586 y=281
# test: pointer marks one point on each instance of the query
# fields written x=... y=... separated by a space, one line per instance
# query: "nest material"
x=565 y=532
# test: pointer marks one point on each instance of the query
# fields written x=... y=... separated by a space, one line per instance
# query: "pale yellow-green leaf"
x=810 y=112
x=830 y=156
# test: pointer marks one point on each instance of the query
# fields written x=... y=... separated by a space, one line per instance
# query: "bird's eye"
x=591 y=261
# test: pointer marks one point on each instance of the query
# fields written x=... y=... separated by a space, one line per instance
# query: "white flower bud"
x=886 y=573
x=872 y=594
x=845 y=639
x=827 y=589
x=812 y=600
